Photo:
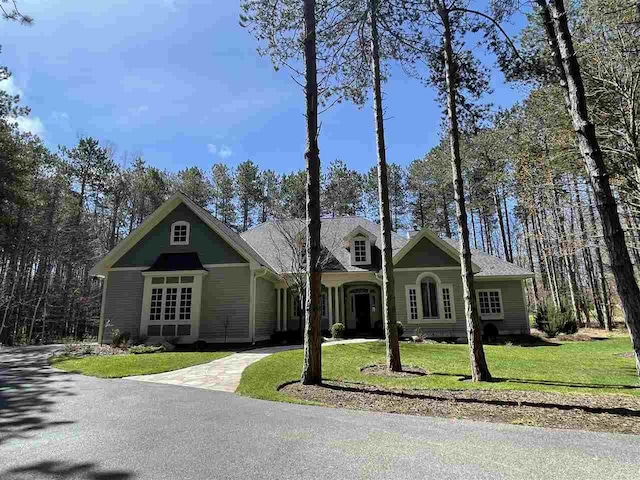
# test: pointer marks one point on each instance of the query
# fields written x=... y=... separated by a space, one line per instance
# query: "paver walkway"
x=223 y=374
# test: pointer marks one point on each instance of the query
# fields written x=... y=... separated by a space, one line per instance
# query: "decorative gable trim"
x=100 y=269
x=433 y=238
x=360 y=231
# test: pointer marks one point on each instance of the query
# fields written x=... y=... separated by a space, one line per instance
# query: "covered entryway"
x=362 y=311
x=362 y=302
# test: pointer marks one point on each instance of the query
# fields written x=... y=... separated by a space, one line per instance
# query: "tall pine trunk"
x=479 y=368
x=388 y=284
x=571 y=79
x=312 y=363
x=604 y=287
x=536 y=296
x=503 y=232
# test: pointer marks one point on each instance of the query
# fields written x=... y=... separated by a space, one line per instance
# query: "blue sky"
x=180 y=83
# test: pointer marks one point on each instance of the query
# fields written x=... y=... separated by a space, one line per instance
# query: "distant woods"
x=528 y=198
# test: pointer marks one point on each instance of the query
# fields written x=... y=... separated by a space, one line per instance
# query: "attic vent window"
x=180 y=233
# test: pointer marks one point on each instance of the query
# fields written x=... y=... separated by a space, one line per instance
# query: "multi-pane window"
x=171 y=300
x=412 y=303
x=489 y=302
x=156 y=304
x=185 y=303
x=298 y=310
x=429 y=297
x=180 y=233
x=170 y=310
x=446 y=303
x=360 y=250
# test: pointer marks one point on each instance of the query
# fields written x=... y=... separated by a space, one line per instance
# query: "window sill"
x=427 y=321
x=492 y=317
x=177 y=244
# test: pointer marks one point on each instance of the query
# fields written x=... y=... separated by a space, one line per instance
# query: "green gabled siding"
x=211 y=248
x=426 y=254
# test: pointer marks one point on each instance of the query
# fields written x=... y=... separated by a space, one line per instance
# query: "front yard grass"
x=116 y=366
x=595 y=367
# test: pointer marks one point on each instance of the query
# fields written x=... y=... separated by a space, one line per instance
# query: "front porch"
x=353 y=299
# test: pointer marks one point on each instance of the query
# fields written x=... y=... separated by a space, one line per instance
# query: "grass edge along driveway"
x=117 y=366
x=595 y=367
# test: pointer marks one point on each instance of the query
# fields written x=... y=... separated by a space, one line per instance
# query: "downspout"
x=255 y=274
x=102 y=309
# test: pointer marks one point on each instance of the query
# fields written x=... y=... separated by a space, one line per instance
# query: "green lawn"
x=575 y=367
x=115 y=366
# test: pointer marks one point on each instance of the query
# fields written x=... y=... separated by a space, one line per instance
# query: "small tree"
x=287 y=237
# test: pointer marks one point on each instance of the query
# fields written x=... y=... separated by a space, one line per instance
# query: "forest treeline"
x=528 y=196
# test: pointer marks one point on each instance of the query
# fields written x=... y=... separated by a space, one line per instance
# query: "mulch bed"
x=383 y=371
x=605 y=413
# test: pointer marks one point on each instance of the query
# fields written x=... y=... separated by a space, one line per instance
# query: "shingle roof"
x=269 y=241
x=491 y=266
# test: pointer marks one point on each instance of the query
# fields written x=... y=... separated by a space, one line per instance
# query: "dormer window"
x=360 y=251
x=180 y=232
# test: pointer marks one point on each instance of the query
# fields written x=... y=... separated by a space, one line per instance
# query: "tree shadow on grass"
x=433 y=396
x=554 y=383
x=64 y=470
x=29 y=389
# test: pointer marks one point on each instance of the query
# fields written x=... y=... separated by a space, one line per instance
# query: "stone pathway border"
x=224 y=374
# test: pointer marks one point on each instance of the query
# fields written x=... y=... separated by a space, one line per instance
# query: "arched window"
x=180 y=232
x=430 y=300
x=429 y=293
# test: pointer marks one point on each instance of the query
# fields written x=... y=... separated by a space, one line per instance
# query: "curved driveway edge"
x=224 y=374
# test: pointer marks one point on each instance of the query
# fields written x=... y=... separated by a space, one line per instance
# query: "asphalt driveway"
x=59 y=425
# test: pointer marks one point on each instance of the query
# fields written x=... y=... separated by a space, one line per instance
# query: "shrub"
x=119 y=339
x=337 y=330
x=419 y=336
x=400 y=328
x=552 y=320
x=141 y=349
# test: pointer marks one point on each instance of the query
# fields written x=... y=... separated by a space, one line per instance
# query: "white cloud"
x=225 y=152
x=222 y=151
x=30 y=124
x=170 y=4
x=9 y=86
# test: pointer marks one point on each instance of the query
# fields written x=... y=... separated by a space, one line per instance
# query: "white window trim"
x=196 y=300
x=176 y=224
x=367 y=246
x=452 y=299
x=407 y=290
x=439 y=285
x=323 y=298
x=490 y=316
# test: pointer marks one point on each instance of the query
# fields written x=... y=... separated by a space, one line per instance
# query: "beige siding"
x=265 y=309
x=431 y=329
x=515 y=315
x=225 y=300
x=123 y=302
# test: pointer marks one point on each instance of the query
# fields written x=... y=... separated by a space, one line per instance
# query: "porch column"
x=278 y=299
x=330 y=302
x=285 y=319
x=337 y=304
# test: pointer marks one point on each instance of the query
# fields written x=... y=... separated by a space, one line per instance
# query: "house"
x=183 y=273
